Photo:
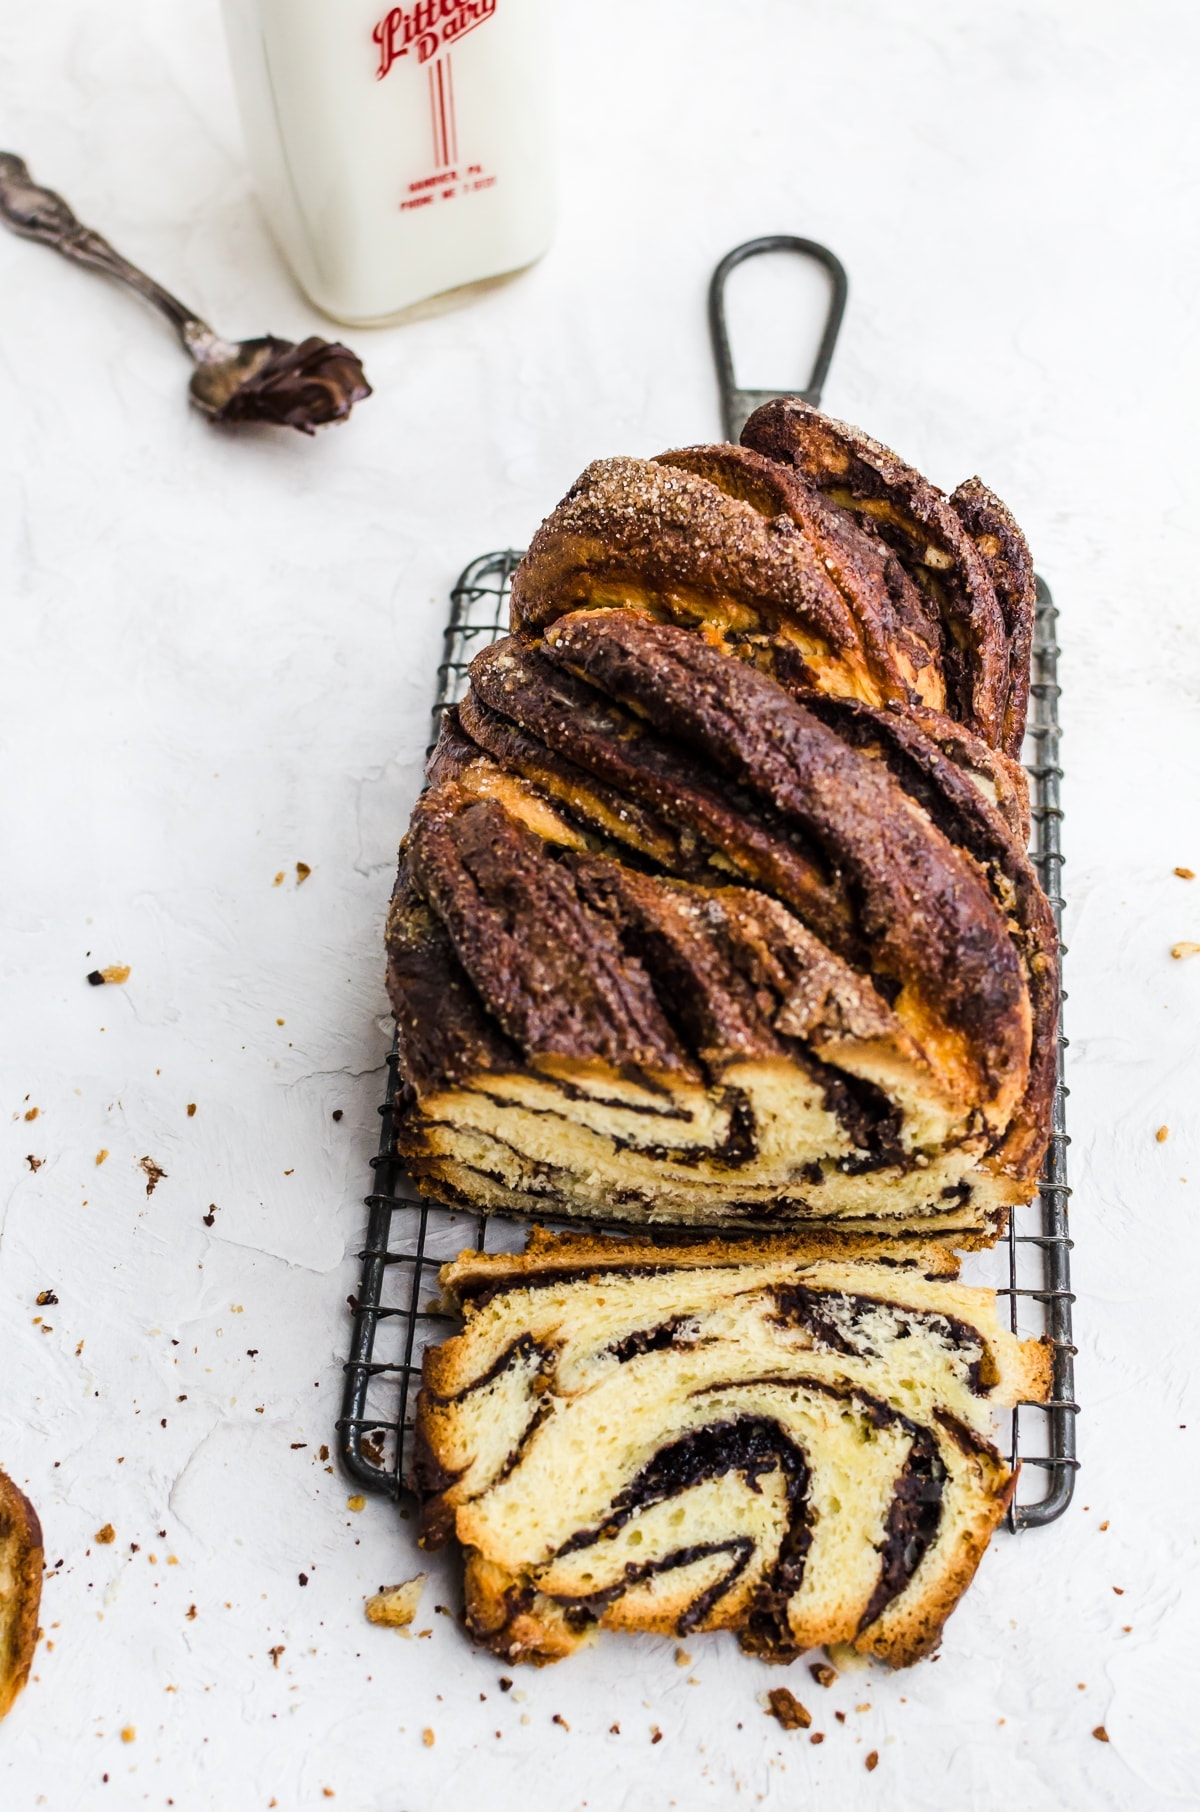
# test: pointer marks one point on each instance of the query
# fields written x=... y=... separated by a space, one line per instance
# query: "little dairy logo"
x=425 y=28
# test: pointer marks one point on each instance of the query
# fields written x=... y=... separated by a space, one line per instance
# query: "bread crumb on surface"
x=102 y=1154
x=356 y=1502
x=1163 y=1134
x=682 y=1658
x=154 y=1173
x=655 y=1734
x=31 y=1113
x=1186 y=874
x=786 y=1708
x=116 y=973
x=1100 y=1734
x=872 y=1761
x=278 y=881
x=129 y=1734
x=105 y=1535
x=302 y=872
x=1185 y=947
x=822 y=1673
x=428 y=1738
x=560 y=1720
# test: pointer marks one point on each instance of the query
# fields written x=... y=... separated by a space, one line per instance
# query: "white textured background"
x=217 y=660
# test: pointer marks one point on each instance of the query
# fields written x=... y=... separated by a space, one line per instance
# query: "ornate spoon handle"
x=38 y=213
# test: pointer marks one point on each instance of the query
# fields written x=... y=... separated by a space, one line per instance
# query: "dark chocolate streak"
x=912 y=1524
x=655 y=1340
x=753 y=1446
x=524 y=1347
x=799 y=1306
x=580 y=1611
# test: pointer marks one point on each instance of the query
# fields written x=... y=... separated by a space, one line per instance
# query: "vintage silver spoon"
x=265 y=380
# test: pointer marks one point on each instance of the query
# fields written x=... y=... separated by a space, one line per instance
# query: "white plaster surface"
x=217 y=662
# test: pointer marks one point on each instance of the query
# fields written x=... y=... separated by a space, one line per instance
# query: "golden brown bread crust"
x=812 y=552
x=916 y=519
x=661 y=923
x=764 y=740
x=673 y=544
x=993 y=529
x=21 y=1561
x=473 y=1277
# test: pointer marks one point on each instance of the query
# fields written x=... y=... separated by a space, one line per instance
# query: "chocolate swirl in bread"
x=813 y=552
x=788 y=1441
x=669 y=944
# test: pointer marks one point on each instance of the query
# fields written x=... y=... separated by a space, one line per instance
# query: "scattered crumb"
x=190 y=1613
x=505 y=1683
x=129 y=1734
x=105 y=1535
x=1100 y=1734
x=31 y=1113
x=395 y=1606
x=1185 y=947
x=115 y=973
x=428 y=1738
x=864 y=1707
x=45 y=1298
x=682 y=1658
x=655 y=1734
x=872 y=1761
x=154 y=1173
x=1103 y=1526
x=275 y=1653
x=35 y=1164
x=280 y=1022
x=278 y=881
x=1186 y=874
x=1163 y=1134
x=337 y=1113
x=302 y=873
x=840 y=1716
x=614 y=1730
x=328 y=1793
x=357 y=1502
x=822 y=1673
x=191 y=1110
x=102 y=1154
x=212 y=1214
x=1119 y=1590
x=559 y=1719
x=818 y=1736
x=786 y=1708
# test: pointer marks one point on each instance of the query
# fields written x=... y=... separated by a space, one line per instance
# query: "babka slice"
x=812 y=552
x=20 y=1589
x=670 y=944
x=791 y=1440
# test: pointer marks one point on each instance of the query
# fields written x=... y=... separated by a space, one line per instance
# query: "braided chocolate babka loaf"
x=792 y=1442
x=673 y=943
x=813 y=552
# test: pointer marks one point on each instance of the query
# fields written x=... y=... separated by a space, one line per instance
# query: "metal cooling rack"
x=408 y=1238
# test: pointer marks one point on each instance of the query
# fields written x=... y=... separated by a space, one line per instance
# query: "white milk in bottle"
x=398 y=151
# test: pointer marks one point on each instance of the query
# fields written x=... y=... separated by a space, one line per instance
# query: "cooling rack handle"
x=737 y=405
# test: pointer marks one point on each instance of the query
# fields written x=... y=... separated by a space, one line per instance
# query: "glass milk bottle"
x=398 y=152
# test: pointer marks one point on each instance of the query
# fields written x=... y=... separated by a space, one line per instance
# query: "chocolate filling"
x=912 y=1523
x=584 y=1610
x=799 y=1306
x=655 y=1340
x=753 y=1446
